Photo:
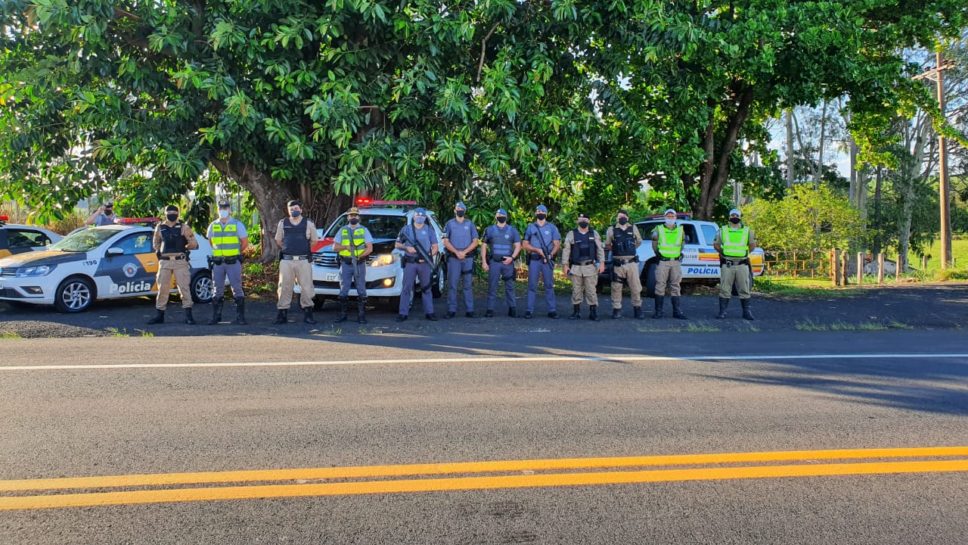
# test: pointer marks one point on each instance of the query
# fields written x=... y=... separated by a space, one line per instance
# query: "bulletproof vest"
x=294 y=238
x=172 y=240
x=623 y=242
x=581 y=249
x=500 y=247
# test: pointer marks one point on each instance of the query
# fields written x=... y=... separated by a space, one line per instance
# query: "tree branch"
x=480 y=64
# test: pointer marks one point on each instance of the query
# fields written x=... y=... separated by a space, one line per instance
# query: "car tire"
x=75 y=294
x=202 y=288
x=648 y=279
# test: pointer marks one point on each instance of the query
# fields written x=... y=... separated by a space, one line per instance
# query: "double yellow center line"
x=387 y=479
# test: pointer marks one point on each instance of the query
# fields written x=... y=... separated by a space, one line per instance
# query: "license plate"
x=332 y=278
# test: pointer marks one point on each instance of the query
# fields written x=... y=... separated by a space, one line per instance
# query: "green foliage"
x=808 y=218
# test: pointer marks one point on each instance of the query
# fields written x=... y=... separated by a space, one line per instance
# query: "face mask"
x=541 y=217
x=734 y=221
x=623 y=221
x=223 y=214
x=354 y=221
x=501 y=220
x=459 y=213
x=108 y=211
x=583 y=224
x=670 y=223
x=172 y=217
x=418 y=220
x=295 y=213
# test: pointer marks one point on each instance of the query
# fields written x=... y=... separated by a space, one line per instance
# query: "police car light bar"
x=137 y=221
x=366 y=201
x=4 y=219
x=680 y=215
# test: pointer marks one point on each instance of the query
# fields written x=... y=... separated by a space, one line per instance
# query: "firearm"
x=353 y=250
x=423 y=255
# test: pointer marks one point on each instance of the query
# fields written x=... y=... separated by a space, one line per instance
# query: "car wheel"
x=648 y=279
x=203 y=289
x=75 y=294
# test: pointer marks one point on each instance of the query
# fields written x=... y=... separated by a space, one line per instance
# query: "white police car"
x=108 y=262
x=17 y=239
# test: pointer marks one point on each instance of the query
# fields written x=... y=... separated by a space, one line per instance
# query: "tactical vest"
x=500 y=247
x=670 y=241
x=356 y=239
x=735 y=242
x=225 y=240
x=582 y=249
x=623 y=242
x=295 y=240
x=172 y=239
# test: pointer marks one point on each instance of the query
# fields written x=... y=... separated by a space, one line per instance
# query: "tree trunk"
x=716 y=166
x=878 y=183
x=823 y=136
x=904 y=226
x=789 y=147
x=270 y=199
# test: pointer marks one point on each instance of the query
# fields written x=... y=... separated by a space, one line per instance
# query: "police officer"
x=734 y=242
x=354 y=243
x=104 y=215
x=542 y=241
x=416 y=263
x=296 y=237
x=460 y=240
x=667 y=242
x=622 y=239
x=502 y=244
x=172 y=241
x=582 y=250
x=229 y=239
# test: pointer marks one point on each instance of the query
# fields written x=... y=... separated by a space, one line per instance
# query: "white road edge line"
x=577 y=358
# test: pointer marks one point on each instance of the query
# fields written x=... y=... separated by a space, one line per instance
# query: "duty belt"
x=225 y=260
x=624 y=260
x=178 y=257
x=295 y=257
x=498 y=259
x=582 y=263
x=415 y=260
x=669 y=258
x=742 y=261
x=349 y=260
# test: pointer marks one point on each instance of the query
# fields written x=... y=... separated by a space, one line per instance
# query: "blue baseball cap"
x=460 y=206
x=501 y=212
x=541 y=208
x=419 y=212
x=736 y=212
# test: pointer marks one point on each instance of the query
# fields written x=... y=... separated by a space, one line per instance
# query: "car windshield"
x=381 y=227
x=84 y=241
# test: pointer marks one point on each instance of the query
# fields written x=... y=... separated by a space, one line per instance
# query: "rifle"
x=545 y=250
x=422 y=252
x=353 y=250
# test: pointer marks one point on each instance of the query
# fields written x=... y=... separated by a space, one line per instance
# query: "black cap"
x=623 y=211
x=294 y=202
x=170 y=208
x=583 y=216
x=224 y=204
x=109 y=204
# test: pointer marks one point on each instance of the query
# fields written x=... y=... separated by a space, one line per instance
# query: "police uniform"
x=357 y=238
x=623 y=241
x=503 y=244
x=462 y=235
x=542 y=237
x=226 y=237
x=584 y=253
x=733 y=243
x=668 y=243
x=105 y=219
x=416 y=267
x=296 y=240
x=172 y=241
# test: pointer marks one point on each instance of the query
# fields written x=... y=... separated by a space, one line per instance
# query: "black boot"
x=158 y=319
x=512 y=312
x=308 y=316
x=282 y=317
x=593 y=313
x=343 y=303
x=637 y=313
x=361 y=310
x=617 y=313
x=216 y=312
x=659 y=301
x=576 y=313
x=431 y=317
x=240 y=311
x=676 y=311
x=723 y=303
x=189 y=319
x=747 y=315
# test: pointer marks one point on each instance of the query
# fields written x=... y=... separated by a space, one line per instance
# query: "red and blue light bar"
x=367 y=201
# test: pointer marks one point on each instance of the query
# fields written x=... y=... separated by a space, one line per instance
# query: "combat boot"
x=723 y=303
x=216 y=312
x=747 y=315
x=512 y=312
x=659 y=301
x=637 y=313
x=676 y=311
x=616 y=313
x=489 y=313
x=189 y=319
x=282 y=317
x=576 y=313
x=593 y=313
x=308 y=316
x=240 y=310
x=158 y=319
x=343 y=303
x=361 y=310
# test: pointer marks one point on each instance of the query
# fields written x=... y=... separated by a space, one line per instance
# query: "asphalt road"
x=351 y=414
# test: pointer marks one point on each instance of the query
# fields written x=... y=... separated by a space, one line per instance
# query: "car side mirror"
x=115 y=251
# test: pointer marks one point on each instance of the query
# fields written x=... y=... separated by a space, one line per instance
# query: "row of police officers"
x=582 y=251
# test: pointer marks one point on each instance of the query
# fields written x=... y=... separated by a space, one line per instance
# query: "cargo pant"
x=291 y=272
x=668 y=273
x=234 y=273
x=538 y=270
x=630 y=273
x=460 y=271
x=183 y=279
x=584 y=284
x=734 y=274
x=411 y=272
x=499 y=271
x=348 y=276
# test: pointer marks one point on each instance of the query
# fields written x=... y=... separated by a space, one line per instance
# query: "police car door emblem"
x=130 y=270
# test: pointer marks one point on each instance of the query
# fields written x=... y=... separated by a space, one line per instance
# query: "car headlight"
x=40 y=270
x=383 y=260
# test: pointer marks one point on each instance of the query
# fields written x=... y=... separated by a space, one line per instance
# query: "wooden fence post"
x=834 y=265
x=880 y=268
x=860 y=268
x=844 y=273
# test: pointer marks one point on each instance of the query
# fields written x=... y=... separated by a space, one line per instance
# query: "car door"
x=128 y=267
